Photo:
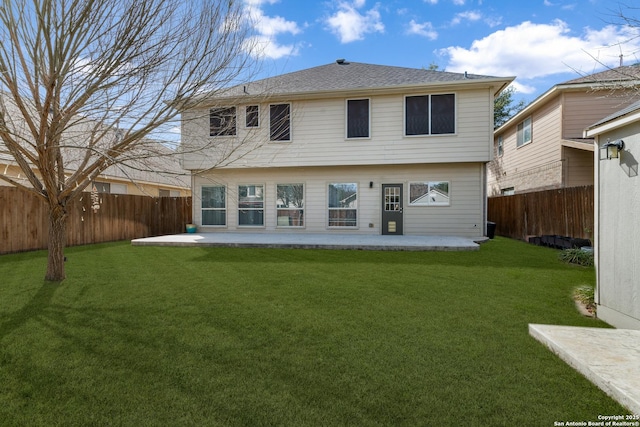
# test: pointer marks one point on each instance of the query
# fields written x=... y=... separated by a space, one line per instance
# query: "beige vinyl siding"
x=318 y=136
x=536 y=165
x=578 y=165
x=582 y=109
x=463 y=217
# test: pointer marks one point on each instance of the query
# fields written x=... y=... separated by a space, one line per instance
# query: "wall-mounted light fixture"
x=611 y=150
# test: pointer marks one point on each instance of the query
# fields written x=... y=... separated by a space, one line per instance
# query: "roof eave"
x=498 y=83
x=614 y=123
x=557 y=89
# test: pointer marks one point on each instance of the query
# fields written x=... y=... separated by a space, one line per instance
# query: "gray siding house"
x=343 y=147
x=617 y=229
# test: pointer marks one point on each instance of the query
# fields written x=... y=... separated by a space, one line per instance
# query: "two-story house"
x=344 y=147
x=542 y=147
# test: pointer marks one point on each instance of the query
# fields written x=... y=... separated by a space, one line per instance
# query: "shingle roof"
x=345 y=75
x=629 y=109
x=619 y=74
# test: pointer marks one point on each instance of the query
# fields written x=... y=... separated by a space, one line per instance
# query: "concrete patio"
x=609 y=358
x=314 y=241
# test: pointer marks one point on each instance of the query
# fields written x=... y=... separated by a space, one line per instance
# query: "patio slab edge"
x=312 y=241
x=609 y=358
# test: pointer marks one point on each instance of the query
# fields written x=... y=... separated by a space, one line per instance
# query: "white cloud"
x=470 y=15
x=424 y=30
x=531 y=50
x=431 y=1
x=351 y=25
x=458 y=2
x=265 y=43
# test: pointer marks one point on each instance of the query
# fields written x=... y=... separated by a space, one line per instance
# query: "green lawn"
x=272 y=337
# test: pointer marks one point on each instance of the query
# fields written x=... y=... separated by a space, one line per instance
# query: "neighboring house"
x=344 y=147
x=157 y=175
x=542 y=147
x=132 y=179
x=617 y=229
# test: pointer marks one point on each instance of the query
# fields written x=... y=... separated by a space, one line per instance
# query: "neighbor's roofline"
x=614 y=123
x=559 y=88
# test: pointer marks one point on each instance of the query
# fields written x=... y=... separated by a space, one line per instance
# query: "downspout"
x=596 y=225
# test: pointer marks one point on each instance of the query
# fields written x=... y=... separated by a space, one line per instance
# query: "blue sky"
x=541 y=42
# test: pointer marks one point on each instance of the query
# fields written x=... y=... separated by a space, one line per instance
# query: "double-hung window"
x=343 y=205
x=431 y=193
x=358 y=118
x=214 y=205
x=250 y=205
x=430 y=114
x=290 y=205
x=280 y=122
x=252 y=116
x=222 y=121
x=524 y=132
x=500 y=146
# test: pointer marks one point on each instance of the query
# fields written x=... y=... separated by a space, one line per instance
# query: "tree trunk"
x=56 y=244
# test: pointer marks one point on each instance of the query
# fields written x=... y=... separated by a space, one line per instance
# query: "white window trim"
x=432 y=204
x=303 y=209
x=328 y=209
x=225 y=209
x=431 y=135
x=500 y=146
x=264 y=205
x=518 y=145
x=281 y=141
x=235 y=134
x=346 y=119
x=259 y=119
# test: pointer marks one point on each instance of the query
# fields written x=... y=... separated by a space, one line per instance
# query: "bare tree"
x=85 y=84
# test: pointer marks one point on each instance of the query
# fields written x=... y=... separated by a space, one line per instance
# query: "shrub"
x=577 y=256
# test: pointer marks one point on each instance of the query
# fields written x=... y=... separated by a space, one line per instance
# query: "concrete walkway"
x=314 y=241
x=610 y=358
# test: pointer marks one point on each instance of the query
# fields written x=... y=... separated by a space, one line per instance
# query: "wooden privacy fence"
x=24 y=219
x=564 y=212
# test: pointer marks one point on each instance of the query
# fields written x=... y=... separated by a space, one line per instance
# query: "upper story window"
x=252 y=116
x=358 y=118
x=222 y=121
x=524 y=132
x=430 y=114
x=280 y=122
x=500 y=149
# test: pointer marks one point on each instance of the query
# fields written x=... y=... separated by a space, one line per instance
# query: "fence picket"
x=23 y=219
x=565 y=212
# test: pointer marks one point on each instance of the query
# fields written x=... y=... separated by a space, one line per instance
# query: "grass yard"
x=164 y=336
